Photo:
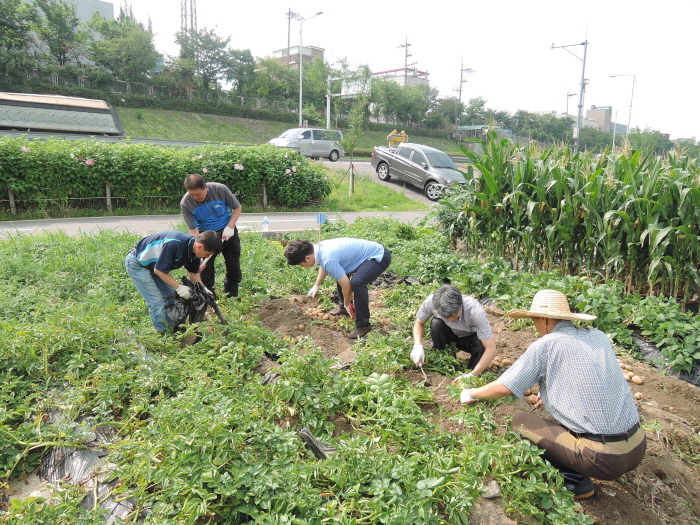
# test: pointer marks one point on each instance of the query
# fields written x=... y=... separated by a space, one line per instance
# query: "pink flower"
x=89 y=162
x=25 y=149
x=287 y=171
x=294 y=169
x=290 y=182
x=204 y=170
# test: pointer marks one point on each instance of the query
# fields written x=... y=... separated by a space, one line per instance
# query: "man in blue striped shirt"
x=150 y=262
x=597 y=431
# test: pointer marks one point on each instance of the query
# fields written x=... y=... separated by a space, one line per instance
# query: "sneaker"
x=360 y=332
x=581 y=486
x=339 y=311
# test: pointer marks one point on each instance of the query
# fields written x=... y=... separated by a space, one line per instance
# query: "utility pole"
x=567 y=99
x=405 y=62
x=462 y=80
x=577 y=129
x=296 y=16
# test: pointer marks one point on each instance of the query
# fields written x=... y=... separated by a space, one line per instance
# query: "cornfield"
x=622 y=215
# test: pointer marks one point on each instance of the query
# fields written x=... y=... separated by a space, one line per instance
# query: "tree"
x=272 y=80
x=241 y=70
x=125 y=48
x=207 y=51
x=649 y=141
x=59 y=33
x=15 y=24
x=476 y=111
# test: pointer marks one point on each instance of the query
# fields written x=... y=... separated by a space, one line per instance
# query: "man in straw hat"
x=581 y=385
x=457 y=319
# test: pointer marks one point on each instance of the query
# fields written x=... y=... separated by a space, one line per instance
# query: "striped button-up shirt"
x=581 y=383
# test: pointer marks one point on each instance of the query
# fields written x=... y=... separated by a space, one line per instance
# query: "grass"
x=195 y=127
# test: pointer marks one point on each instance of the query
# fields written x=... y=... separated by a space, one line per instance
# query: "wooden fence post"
x=13 y=206
x=264 y=195
x=108 y=192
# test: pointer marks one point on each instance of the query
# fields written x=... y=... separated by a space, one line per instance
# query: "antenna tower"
x=188 y=15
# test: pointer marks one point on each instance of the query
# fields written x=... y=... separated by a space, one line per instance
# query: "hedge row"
x=58 y=169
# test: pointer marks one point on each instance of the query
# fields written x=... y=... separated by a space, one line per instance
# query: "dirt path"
x=664 y=489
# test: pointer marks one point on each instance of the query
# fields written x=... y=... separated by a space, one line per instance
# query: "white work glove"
x=313 y=292
x=207 y=290
x=183 y=291
x=463 y=376
x=465 y=397
x=228 y=233
x=418 y=355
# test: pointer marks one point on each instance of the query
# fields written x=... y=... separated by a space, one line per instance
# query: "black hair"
x=297 y=251
x=195 y=182
x=210 y=240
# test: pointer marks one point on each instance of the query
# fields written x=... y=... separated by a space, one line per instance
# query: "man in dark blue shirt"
x=212 y=206
x=150 y=262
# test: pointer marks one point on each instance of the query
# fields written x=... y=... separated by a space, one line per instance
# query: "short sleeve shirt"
x=471 y=320
x=580 y=381
x=167 y=251
x=342 y=256
x=212 y=214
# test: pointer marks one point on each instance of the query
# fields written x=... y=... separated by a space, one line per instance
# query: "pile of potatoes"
x=318 y=313
x=531 y=394
x=631 y=376
x=499 y=363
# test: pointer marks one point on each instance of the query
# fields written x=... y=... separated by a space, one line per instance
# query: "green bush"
x=61 y=170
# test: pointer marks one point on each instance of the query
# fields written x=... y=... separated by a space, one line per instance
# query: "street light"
x=634 y=80
x=567 y=99
x=301 y=63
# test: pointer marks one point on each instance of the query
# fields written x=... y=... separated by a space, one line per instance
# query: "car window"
x=289 y=133
x=405 y=152
x=306 y=134
x=326 y=134
x=441 y=160
x=418 y=158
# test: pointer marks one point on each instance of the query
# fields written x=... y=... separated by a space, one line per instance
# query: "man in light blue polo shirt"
x=342 y=258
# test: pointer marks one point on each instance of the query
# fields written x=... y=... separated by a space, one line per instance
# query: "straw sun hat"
x=550 y=304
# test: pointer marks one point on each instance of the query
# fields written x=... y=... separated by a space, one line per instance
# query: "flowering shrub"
x=58 y=169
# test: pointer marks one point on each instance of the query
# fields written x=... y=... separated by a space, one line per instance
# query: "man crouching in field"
x=581 y=385
x=150 y=262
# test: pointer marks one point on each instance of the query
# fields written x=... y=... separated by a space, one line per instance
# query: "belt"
x=604 y=438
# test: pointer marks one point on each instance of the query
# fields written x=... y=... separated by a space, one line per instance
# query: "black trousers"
x=442 y=335
x=367 y=272
x=232 y=259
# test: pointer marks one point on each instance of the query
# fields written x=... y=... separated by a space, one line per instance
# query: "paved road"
x=147 y=224
x=364 y=169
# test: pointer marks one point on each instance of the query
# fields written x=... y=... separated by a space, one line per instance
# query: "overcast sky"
x=506 y=43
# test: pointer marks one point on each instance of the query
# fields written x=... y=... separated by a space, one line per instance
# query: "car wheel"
x=383 y=171
x=433 y=190
x=333 y=156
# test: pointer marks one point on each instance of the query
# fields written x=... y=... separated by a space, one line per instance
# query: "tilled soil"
x=664 y=489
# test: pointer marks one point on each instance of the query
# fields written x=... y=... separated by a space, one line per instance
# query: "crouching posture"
x=597 y=432
x=353 y=263
x=150 y=262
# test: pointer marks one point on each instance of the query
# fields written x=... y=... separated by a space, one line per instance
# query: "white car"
x=312 y=142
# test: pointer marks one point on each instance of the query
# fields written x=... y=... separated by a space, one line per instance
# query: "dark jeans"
x=442 y=335
x=232 y=259
x=367 y=272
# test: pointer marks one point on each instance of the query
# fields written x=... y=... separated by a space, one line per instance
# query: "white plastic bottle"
x=266 y=225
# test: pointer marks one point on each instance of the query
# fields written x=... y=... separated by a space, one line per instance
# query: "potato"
x=326 y=317
x=628 y=367
x=528 y=392
x=535 y=389
x=637 y=380
x=507 y=362
x=532 y=399
x=639 y=395
x=628 y=378
x=300 y=327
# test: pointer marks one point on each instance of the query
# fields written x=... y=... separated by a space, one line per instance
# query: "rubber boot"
x=580 y=485
x=230 y=289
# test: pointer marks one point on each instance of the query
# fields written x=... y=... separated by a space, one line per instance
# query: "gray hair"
x=447 y=300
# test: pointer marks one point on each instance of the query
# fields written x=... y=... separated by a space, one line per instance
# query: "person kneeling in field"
x=150 y=262
x=598 y=432
x=341 y=258
x=457 y=319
